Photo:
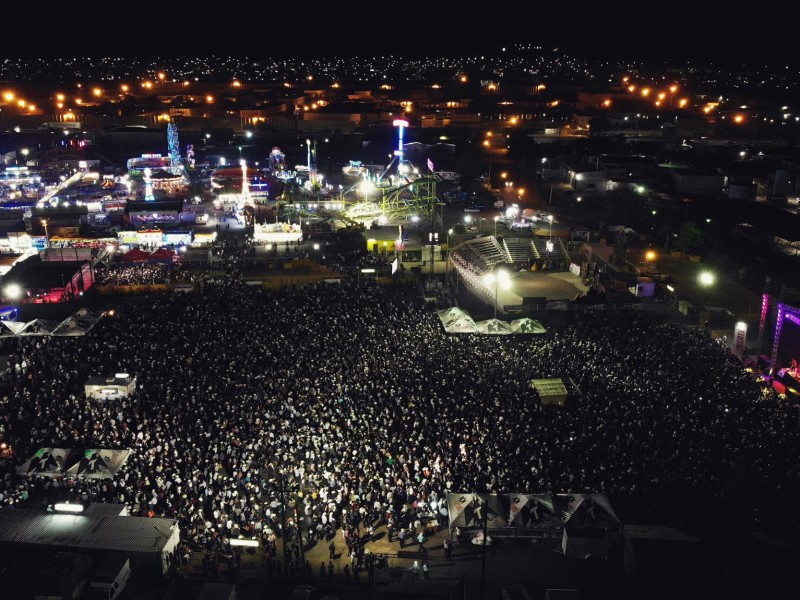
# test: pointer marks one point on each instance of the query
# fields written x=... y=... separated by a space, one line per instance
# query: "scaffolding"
x=398 y=203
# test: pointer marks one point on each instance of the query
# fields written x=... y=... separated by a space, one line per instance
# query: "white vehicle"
x=110 y=578
x=201 y=219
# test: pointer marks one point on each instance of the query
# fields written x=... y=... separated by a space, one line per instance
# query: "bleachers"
x=540 y=249
x=475 y=258
x=519 y=250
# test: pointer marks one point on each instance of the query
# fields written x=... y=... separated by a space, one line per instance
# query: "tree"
x=690 y=238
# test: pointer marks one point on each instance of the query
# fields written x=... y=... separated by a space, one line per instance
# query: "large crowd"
x=352 y=406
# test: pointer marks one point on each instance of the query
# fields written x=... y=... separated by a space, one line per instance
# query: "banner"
x=739 y=338
x=48 y=462
x=517 y=512
x=98 y=463
x=457 y=505
x=533 y=510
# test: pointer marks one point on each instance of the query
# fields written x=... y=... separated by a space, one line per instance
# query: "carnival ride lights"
x=148 y=185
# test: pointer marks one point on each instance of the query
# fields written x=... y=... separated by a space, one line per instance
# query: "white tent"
x=48 y=462
x=456 y=320
x=590 y=525
x=98 y=463
x=526 y=325
x=494 y=326
x=77 y=324
x=12 y=328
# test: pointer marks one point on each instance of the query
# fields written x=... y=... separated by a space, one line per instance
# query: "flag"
x=430 y=165
x=395 y=265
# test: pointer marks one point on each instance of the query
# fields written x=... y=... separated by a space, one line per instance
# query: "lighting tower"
x=148 y=185
x=245 y=185
x=401 y=125
x=173 y=145
x=312 y=162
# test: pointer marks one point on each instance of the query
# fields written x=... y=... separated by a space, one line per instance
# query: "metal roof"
x=128 y=534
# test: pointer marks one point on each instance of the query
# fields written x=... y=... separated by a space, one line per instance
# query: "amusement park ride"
x=397 y=195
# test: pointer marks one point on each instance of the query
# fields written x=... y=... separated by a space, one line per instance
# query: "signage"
x=739 y=338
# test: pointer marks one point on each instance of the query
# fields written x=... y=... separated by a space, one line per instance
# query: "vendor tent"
x=162 y=255
x=135 y=255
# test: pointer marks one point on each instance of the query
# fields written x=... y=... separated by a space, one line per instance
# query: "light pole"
x=495 y=225
x=706 y=279
x=447 y=264
x=500 y=278
x=46 y=236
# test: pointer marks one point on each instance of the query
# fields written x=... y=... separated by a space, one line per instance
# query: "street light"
x=706 y=279
x=496 y=218
x=501 y=277
x=13 y=291
x=46 y=236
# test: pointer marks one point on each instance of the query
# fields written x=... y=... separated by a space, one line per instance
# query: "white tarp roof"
x=97 y=463
x=456 y=320
x=93 y=463
x=48 y=462
x=526 y=325
x=494 y=326
x=77 y=324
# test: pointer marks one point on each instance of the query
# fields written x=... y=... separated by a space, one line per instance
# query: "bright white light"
x=13 y=291
x=67 y=507
x=366 y=187
x=110 y=249
x=468 y=218
x=414 y=218
x=248 y=543
x=316 y=246
x=248 y=134
x=706 y=278
x=549 y=245
x=504 y=279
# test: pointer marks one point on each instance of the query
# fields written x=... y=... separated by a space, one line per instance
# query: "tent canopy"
x=161 y=255
x=135 y=255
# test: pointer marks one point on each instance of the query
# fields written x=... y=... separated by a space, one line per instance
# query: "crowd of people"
x=135 y=274
x=353 y=408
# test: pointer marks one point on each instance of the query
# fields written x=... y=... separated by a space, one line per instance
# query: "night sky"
x=668 y=32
